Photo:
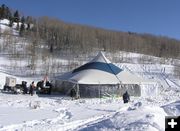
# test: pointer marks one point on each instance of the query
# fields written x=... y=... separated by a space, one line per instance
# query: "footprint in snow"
x=135 y=106
x=63 y=113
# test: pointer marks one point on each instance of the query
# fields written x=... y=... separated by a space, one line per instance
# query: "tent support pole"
x=77 y=91
x=99 y=91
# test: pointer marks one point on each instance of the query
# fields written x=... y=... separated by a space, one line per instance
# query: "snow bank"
x=135 y=118
x=172 y=109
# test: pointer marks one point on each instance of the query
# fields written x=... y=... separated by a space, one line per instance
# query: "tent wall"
x=62 y=86
x=107 y=90
x=96 y=91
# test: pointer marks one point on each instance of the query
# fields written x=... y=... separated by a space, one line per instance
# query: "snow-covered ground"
x=57 y=112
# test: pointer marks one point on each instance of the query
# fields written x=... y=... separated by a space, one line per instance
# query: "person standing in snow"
x=126 y=97
x=24 y=87
x=73 y=93
x=32 y=87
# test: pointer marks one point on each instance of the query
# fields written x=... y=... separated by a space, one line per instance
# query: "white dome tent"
x=100 y=77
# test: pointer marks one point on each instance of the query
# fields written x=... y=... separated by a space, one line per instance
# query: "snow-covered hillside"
x=58 y=112
x=4 y=27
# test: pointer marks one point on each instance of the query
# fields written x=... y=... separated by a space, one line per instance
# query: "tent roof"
x=100 y=71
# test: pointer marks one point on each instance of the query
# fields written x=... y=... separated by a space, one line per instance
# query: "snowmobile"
x=12 y=87
x=44 y=87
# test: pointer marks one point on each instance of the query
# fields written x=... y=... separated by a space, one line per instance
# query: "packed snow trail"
x=136 y=117
x=25 y=112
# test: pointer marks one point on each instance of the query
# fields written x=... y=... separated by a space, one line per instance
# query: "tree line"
x=59 y=36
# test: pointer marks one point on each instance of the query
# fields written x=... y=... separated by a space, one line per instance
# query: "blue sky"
x=158 y=17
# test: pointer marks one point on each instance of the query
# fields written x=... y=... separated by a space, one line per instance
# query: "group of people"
x=31 y=88
x=41 y=87
x=23 y=87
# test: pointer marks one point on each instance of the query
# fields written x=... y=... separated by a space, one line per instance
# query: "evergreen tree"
x=16 y=16
x=29 y=21
x=17 y=27
x=22 y=19
x=0 y=13
x=7 y=13
x=3 y=11
x=10 y=21
x=28 y=26
x=22 y=29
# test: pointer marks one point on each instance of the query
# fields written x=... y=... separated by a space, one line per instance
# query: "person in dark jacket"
x=50 y=87
x=31 y=90
x=24 y=86
x=73 y=93
x=126 y=97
